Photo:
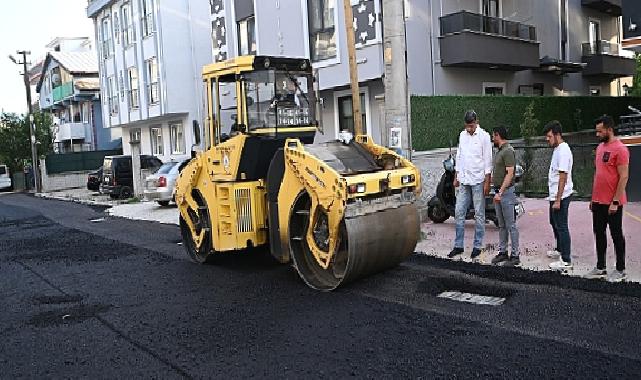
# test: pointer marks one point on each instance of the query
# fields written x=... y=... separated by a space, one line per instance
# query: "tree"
x=635 y=90
x=529 y=129
x=15 y=149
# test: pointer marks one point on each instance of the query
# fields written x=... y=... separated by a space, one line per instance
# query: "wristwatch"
x=616 y=203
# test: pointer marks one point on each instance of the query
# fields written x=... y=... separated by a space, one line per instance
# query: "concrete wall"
x=55 y=182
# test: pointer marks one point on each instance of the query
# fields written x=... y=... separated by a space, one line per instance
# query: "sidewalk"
x=536 y=238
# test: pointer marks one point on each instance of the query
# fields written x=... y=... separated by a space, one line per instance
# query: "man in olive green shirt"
x=505 y=199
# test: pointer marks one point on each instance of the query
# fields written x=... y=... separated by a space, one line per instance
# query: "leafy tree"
x=529 y=129
x=15 y=149
x=635 y=90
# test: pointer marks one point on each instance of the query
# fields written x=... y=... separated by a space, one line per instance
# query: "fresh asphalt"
x=84 y=296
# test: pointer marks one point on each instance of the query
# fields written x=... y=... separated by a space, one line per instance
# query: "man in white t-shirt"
x=560 y=190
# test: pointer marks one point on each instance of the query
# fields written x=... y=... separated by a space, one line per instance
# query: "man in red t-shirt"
x=608 y=197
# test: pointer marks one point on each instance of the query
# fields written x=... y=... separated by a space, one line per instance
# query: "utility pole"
x=32 y=130
x=353 y=68
x=397 y=109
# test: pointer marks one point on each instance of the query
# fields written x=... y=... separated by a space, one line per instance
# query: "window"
x=247 y=36
x=128 y=32
x=493 y=89
x=113 y=95
x=157 y=147
x=535 y=89
x=121 y=85
x=147 y=17
x=491 y=8
x=177 y=138
x=564 y=30
x=152 y=80
x=107 y=48
x=322 y=31
x=132 y=73
x=594 y=33
x=116 y=28
x=346 y=113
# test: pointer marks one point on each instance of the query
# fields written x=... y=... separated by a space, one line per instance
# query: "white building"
x=151 y=54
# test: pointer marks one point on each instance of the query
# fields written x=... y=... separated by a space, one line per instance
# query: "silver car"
x=161 y=186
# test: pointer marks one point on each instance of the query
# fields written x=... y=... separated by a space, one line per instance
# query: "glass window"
x=113 y=95
x=128 y=32
x=116 y=28
x=157 y=147
x=322 y=31
x=166 y=168
x=133 y=87
x=152 y=79
x=346 y=113
x=107 y=48
x=491 y=8
x=247 y=36
x=227 y=105
x=147 y=17
x=177 y=138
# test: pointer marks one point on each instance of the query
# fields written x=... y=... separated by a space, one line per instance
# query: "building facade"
x=469 y=47
x=69 y=90
x=151 y=54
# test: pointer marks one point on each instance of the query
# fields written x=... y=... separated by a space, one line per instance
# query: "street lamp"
x=32 y=128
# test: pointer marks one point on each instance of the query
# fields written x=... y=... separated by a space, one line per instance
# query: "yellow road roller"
x=337 y=210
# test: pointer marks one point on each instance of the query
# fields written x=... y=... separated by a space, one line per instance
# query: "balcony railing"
x=600 y=47
x=467 y=21
x=63 y=91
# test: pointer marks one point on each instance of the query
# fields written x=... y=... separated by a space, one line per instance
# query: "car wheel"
x=113 y=196
x=163 y=203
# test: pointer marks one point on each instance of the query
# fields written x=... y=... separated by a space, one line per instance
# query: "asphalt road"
x=118 y=298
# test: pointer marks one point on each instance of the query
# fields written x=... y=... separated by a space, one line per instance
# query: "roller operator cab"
x=339 y=210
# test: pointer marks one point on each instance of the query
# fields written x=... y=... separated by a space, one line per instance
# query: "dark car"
x=93 y=179
x=118 y=177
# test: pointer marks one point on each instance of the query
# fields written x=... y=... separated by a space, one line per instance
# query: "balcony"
x=94 y=6
x=62 y=92
x=473 y=40
x=611 y=7
x=71 y=131
x=602 y=59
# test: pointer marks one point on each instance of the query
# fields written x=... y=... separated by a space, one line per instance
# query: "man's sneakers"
x=500 y=258
x=617 y=276
x=476 y=252
x=561 y=265
x=513 y=261
x=597 y=274
x=455 y=252
x=554 y=254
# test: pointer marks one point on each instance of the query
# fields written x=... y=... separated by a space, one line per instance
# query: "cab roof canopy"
x=249 y=63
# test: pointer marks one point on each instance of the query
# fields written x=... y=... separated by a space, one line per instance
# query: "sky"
x=30 y=25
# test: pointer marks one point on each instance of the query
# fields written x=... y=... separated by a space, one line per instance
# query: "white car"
x=5 y=178
x=161 y=185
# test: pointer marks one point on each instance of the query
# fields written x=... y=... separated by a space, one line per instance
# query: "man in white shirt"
x=560 y=191
x=473 y=173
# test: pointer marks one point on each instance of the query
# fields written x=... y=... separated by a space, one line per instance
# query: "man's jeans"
x=467 y=194
x=507 y=221
x=559 y=222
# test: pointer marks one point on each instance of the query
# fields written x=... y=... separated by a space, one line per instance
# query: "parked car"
x=5 y=178
x=161 y=186
x=94 y=179
x=118 y=177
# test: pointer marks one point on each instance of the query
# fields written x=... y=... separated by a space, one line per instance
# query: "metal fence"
x=79 y=161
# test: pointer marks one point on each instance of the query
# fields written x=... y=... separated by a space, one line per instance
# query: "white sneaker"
x=554 y=254
x=617 y=276
x=560 y=265
x=596 y=274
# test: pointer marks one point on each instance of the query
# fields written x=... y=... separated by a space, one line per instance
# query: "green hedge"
x=438 y=119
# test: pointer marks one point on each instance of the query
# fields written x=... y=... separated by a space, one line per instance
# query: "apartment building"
x=151 y=54
x=68 y=90
x=511 y=47
x=469 y=47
